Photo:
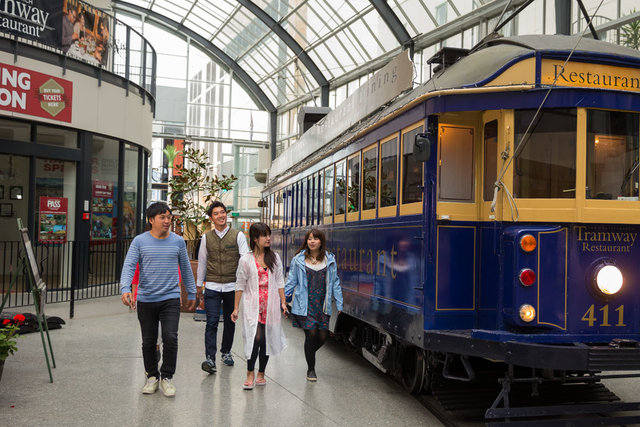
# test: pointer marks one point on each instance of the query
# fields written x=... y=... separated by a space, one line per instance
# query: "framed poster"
x=102 y=211
x=53 y=220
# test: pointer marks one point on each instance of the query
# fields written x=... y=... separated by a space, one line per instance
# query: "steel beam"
x=391 y=19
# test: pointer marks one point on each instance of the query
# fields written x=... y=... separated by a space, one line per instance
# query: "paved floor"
x=100 y=373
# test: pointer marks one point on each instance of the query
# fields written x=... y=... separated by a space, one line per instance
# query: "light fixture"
x=608 y=279
x=527 y=313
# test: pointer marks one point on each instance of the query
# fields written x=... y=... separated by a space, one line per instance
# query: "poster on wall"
x=39 y=20
x=36 y=94
x=53 y=220
x=102 y=211
x=85 y=32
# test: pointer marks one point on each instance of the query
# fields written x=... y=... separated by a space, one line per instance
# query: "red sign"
x=53 y=220
x=29 y=92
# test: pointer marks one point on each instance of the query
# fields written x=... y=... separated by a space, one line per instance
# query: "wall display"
x=53 y=220
x=6 y=209
x=15 y=192
x=102 y=211
x=85 y=32
x=33 y=19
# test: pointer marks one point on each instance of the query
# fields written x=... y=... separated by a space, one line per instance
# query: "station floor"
x=99 y=376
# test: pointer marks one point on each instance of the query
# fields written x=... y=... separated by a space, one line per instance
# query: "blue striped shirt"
x=158 y=260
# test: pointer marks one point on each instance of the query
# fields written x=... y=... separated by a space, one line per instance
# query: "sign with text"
x=590 y=75
x=53 y=220
x=102 y=211
x=33 y=19
x=33 y=93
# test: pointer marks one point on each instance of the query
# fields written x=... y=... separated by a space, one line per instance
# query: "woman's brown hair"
x=256 y=230
x=318 y=234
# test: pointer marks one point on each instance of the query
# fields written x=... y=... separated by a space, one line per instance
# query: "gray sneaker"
x=167 y=387
x=151 y=386
x=209 y=366
x=227 y=359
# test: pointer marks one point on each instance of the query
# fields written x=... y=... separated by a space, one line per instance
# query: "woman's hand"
x=285 y=309
x=234 y=315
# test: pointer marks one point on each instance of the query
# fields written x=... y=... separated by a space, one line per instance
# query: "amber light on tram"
x=527 y=276
x=528 y=243
x=527 y=313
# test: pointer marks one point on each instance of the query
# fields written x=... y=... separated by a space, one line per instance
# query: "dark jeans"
x=167 y=313
x=212 y=301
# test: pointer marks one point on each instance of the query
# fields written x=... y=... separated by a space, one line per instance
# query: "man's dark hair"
x=216 y=204
x=157 y=208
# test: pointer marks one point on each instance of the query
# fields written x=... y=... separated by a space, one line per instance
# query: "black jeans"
x=167 y=313
x=212 y=301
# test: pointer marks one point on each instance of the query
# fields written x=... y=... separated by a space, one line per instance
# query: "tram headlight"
x=609 y=279
x=527 y=313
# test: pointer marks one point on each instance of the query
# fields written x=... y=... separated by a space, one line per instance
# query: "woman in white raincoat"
x=260 y=286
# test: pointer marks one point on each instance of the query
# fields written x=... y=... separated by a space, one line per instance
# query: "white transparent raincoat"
x=247 y=282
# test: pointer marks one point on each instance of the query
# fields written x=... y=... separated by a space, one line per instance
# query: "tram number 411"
x=590 y=316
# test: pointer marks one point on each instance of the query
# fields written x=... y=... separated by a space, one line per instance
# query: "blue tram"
x=491 y=213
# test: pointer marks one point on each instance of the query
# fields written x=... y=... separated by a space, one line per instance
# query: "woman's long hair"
x=318 y=234
x=256 y=230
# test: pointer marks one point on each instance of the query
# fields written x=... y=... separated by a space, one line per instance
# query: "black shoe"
x=209 y=366
x=311 y=376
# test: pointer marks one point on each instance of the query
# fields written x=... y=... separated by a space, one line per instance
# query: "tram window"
x=388 y=172
x=353 y=181
x=456 y=164
x=490 y=156
x=295 y=200
x=319 y=198
x=412 y=175
x=369 y=178
x=328 y=192
x=341 y=188
x=612 y=155
x=304 y=197
x=546 y=165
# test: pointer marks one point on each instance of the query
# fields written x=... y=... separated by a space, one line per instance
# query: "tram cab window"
x=369 y=181
x=412 y=175
x=490 y=159
x=388 y=176
x=304 y=202
x=328 y=192
x=353 y=184
x=612 y=155
x=341 y=190
x=546 y=165
x=455 y=167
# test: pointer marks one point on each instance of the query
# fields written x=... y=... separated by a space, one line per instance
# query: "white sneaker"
x=150 y=386
x=167 y=387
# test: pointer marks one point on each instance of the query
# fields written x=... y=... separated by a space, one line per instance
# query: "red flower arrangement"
x=8 y=335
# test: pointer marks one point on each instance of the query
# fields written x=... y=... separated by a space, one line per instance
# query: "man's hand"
x=127 y=299
x=191 y=304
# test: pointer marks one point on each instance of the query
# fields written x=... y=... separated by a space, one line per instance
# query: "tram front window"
x=545 y=166
x=612 y=155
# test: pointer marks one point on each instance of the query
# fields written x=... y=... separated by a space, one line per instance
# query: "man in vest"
x=220 y=250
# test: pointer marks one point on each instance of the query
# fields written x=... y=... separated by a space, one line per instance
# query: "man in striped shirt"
x=158 y=253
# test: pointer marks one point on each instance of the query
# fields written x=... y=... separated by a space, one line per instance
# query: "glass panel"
x=412 y=169
x=456 y=164
x=15 y=131
x=56 y=136
x=388 y=172
x=55 y=179
x=130 y=203
x=369 y=178
x=354 y=184
x=612 y=155
x=328 y=191
x=341 y=187
x=490 y=156
x=304 y=193
x=546 y=166
x=14 y=188
x=104 y=188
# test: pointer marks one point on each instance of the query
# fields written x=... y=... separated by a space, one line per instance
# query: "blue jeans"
x=167 y=313
x=212 y=302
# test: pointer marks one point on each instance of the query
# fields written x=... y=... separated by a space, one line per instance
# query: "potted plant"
x=8 y=336
x=191 y=191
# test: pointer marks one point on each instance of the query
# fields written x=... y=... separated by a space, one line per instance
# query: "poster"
x=53 y=220
x=85 y=32
x=102 y=211
x=39 y=20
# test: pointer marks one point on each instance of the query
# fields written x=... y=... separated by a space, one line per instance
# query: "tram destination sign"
x=387 y=83
x=579 y=74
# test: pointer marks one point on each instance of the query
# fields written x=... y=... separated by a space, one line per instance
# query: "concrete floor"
x=100 y=374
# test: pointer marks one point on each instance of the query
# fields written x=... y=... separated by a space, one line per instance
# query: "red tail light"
x=527 y=277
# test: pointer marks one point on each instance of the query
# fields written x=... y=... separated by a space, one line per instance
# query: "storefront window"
x=55 y=198
x=129 y=206
x=13 y=130
x=14 y=188
x=612 y=155
x=57 y=136
x=104 y=188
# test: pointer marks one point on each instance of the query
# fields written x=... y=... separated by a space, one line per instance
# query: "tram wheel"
x=413 y=369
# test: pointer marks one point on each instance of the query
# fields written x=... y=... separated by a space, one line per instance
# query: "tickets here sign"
x=36 y=94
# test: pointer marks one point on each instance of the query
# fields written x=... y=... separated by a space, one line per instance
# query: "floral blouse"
x=263 y=291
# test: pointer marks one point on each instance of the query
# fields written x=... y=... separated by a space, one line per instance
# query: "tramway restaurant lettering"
x=605 y=241
x=24 y=17
x=590 y=75
x=370 y=261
